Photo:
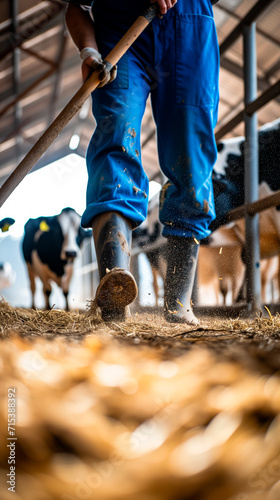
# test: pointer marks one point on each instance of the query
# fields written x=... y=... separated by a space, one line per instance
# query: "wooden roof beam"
x=258 y=9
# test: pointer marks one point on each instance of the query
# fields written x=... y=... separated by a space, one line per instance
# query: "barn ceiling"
x=40 y=72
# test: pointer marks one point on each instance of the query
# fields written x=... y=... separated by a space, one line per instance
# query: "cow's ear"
x=6 y=223
x=82 y=234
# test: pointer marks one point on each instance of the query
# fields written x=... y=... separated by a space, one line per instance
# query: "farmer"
x=176 y=61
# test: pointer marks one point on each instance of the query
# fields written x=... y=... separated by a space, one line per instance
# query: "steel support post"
x=251 y=165
x=134 y=268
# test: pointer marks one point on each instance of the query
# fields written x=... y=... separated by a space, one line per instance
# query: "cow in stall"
x=270 y=280
x=220 y=269
x=148 y=233
x=50 y=246
x=220 y=265
x=228 y=180
x=7 y=274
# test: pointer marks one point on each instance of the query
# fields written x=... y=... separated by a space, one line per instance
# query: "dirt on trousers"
x=140 y=410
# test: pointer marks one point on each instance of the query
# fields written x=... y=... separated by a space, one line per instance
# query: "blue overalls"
x=176 y=60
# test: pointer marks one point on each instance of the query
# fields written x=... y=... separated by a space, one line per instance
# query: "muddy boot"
x=117 y=287
x=181 y=266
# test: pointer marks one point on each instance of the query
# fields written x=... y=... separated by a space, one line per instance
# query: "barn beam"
x=20 y=96
x=16 y=77
x=250 y=18
x=272 y=92
x=32 y=27
x=38 y=56
x=68 y=66
x=273 y=200
x=237 y=70
x=271 y=71
x=260 y=31
x=58 y=74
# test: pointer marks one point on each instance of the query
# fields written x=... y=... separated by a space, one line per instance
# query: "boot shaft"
x=182 y=254
x=112 y=239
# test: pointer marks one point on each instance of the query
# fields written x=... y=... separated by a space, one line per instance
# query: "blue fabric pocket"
x=197 y=60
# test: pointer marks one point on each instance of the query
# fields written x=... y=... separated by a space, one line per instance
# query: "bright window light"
x=84 y=110
x=154 y=188
x=74 y=142
x=46 y=192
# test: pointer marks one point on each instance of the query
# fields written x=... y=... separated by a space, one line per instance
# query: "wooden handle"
x=74 y=106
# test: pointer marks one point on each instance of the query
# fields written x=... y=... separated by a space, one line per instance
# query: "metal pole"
x=251 y=165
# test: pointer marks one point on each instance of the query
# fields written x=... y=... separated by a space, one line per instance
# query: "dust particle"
x=206 y=206
x=132 y=132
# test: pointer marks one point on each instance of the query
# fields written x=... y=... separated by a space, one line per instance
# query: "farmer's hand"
x=92 y=61
x=164 y=5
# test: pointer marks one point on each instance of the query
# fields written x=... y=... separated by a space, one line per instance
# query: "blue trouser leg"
x=184 y=92
x=117 y=181
x=185 y=109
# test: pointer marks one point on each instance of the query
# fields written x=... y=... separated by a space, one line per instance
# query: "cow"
x=228 y=182
x=7 y=274
x=146 y=235
x=270 y=279
x=50 y=246
x=221 y=273
x=220 y=270
x=228 y=173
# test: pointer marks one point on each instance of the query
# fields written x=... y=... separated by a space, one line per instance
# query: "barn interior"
x=137 y=410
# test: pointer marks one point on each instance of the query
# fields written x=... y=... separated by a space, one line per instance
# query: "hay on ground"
x=140 y=410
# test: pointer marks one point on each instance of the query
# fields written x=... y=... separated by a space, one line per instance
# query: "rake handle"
x=74 y=105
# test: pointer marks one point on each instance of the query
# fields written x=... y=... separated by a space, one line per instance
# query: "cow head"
x=73 y=233
x=7 y=275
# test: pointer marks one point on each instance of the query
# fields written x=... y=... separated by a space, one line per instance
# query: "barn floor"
x=140 y=410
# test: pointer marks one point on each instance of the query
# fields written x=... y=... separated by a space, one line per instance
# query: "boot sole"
x=173 y=318
x=116 y=290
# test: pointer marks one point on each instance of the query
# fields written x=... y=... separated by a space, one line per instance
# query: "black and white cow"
x=7 y=273
x=50 y=246
x=228 y=182
x=147 y=234
x=229 y=170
